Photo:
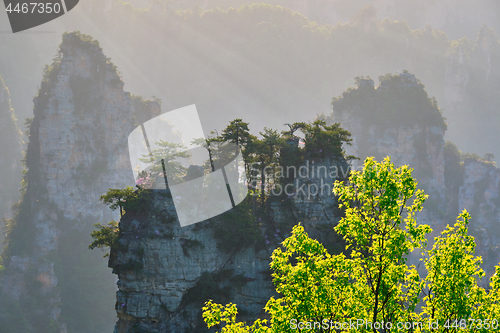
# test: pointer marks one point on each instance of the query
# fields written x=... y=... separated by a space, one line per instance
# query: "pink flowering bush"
x=145 y=182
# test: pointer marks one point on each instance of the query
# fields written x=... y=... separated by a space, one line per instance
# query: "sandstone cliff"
x=470 y=96
x=10 y=152
x=77 y=150
x=396 y=119
x=453 y=181
x=480 y=195
x=166 y=272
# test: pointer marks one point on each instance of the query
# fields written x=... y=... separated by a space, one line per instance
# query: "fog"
x=273 y=65
x=266 y=70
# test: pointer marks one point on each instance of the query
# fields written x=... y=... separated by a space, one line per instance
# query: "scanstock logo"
x=26 y=14
x=205 y=178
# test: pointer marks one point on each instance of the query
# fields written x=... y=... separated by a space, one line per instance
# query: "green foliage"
x=115 y=198
x=375 y=284
x=237 y=132
x=77 y=39
x=277 y=151
x=322 y=140
x=215 y=146
x=264 y=154
x=105 y=236
x=237 y=228
x=50 y=74
x=128 y=199
x=381 y=236
x=453 y=272
x=214 y=314
x=166 y=156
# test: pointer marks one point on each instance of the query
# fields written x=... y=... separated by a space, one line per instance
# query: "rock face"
x=158 y=268
x=166 y=272
x=77 y=150
x=457 y=77
x=480 y=195
x=10 y=152
x=416 y=141
x=472 y=80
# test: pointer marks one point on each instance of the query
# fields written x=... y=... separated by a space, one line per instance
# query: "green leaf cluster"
x=165 y=159
x=105 y=236
x=275 y=151
x=237 y=229
x=322 y=140
x=127 y=200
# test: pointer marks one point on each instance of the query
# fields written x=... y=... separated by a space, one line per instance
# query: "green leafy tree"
x=127 y=200
x=116 y=198
x=453 y=272
x=274 y=143
x=290 y=154
x=166 y=159
x=237 y=132
x=325 y=140
x=105 y=236
x=293 y=128
x=381 y=229
x=374 y=284
x=258 y=152
x=209 y=144
x=264 y=154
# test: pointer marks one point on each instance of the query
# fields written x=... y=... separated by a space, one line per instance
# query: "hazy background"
x=269 y=66
x=274 y=65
